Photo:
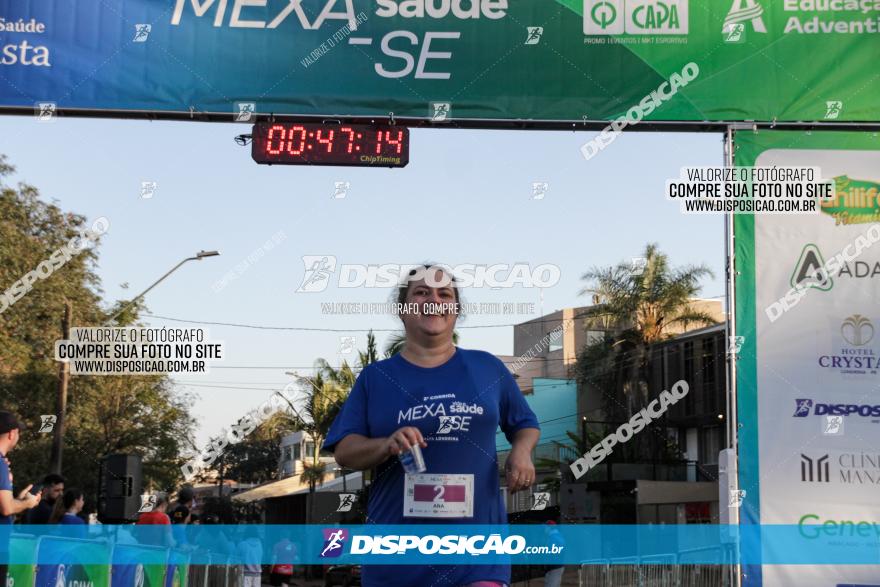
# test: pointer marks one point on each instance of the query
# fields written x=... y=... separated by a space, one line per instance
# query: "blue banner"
x=813 y=541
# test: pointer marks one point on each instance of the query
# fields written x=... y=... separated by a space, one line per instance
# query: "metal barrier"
x=667 y=570
x=198 y=576
x=624 y=572
x=659 y=571
x=593 y=573
x=234 y=574
x=217 y=571
x=220 y=571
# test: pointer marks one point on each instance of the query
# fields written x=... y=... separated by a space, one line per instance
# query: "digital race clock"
x=304 y=143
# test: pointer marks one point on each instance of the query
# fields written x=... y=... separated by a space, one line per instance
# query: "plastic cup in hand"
x=412 y=460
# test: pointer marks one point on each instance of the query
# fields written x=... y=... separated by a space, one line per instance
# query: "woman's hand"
x=520 y=470
x=404 y=439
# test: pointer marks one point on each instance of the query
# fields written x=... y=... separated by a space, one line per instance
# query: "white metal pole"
x=730 y=331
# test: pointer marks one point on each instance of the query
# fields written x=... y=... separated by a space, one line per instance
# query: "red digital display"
x=304 y=143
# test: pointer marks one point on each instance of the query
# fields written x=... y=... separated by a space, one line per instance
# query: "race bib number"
x=438 y=496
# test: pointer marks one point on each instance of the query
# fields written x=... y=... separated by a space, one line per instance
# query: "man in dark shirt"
x=53 y=488
x=10 y=505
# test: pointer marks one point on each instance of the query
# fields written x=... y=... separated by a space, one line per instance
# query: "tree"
x=371 y=355
x=108 y=414
x=395 y=344
x=255 y=458
x=323 y=396
x=636 y=310
x=577 y=445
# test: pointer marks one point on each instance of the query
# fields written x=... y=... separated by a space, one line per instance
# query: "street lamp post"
x=344 y=486
x=198 y=257
x=64 y=372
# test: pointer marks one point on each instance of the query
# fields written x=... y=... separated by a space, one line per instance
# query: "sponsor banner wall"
x=808 y=373
x=539 y=60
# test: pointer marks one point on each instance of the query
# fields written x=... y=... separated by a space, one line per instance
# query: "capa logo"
x=658 y=17
x=635 y=17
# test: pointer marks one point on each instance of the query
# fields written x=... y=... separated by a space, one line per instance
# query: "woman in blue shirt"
x=450 y=402
x=66 y=513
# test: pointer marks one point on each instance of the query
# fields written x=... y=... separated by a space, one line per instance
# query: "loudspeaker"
x=119 y=489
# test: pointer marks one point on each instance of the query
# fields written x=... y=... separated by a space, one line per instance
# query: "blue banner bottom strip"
x=815 y=542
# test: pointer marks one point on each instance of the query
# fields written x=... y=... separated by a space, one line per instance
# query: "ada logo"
x=809 y=270
x=636 y=17
x=334 y=540
x=743 y=11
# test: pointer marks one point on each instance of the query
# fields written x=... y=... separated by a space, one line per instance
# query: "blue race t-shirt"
x=72 y=520
x=5 y=485
x=458 y=407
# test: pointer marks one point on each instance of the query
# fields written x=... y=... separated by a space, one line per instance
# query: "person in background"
x=180 y=517
x=157 y=516
x=66 y=513
x=52 y=489
x=215 y=539
x=282 y=570
x=186 y=497
x=553 y=573
x=251 y=552
x=10 y=430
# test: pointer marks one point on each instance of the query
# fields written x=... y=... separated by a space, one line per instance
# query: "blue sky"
x=466 y=197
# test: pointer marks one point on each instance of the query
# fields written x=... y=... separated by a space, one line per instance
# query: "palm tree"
x=577 y=444
x=395 y=344
x=323 y=396
x=636 y=310
x=371 y=355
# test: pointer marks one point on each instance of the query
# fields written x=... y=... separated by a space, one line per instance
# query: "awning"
x=280 y=488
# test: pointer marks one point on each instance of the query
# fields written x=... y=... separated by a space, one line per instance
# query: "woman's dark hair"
x=65 y=503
